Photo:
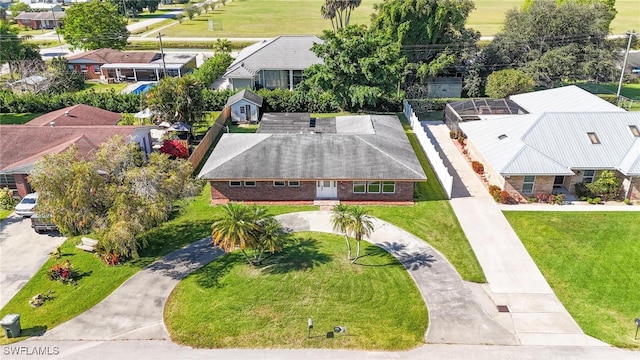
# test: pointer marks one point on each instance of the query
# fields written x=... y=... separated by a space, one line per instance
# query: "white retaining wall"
x=427 y=141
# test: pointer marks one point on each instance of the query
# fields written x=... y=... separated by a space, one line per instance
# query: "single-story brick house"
x=40 y=20
x=294 y=158
x=274 y=63
x=551 y=152
x=116 y=65
x=24 y=145
x=245 y=106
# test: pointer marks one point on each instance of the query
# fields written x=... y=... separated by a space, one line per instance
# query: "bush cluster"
x=64 y=273
x=477 y=167
x=44 y=103
x=7 y=202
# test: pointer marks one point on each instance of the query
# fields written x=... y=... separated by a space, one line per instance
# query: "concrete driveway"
x=22 y=253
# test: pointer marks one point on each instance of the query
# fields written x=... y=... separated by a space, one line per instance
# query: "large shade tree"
x=177 y=99
x=22 y=57
x=359 y=68
x=95 y=25
x=556 y=41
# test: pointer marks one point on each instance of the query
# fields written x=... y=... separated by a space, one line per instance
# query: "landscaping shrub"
x=64 y=273
x=597 y=200
x=477 y=167
x=7 y=202
x=627 y=201
x=495 y=190
x=44 y=103
x=582 y=191
x=506 y=198
x=175 y=149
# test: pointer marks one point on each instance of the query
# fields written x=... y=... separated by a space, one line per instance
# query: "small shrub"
x=477 y=167
x=589 y=201
x=597 y=200
x=559 y=199
x=461 y=140
x=627 y=201
x=495 y=190
x=452 y=134
x=174 y=149
x=111 y=259
x=506 y=198
x=64 y=273
x=7 y=202
x=582 y=191
x=542 y=198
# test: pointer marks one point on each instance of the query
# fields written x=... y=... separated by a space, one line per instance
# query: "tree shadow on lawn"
x=210 y=275
x=375 y=252
x=300 y=255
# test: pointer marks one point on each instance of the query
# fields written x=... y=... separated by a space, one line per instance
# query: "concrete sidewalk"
x=536 y=315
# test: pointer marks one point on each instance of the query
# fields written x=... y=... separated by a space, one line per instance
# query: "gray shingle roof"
x=245 y=95
x=555 y=143
x=385 y=155
x=280 y=53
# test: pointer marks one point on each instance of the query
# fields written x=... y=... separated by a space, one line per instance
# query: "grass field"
x=99 y=87
x=590 y=261
x=13 y=118
x=229 y=304
x=268 y=18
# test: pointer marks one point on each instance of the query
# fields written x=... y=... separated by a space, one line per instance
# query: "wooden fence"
x=212 y=134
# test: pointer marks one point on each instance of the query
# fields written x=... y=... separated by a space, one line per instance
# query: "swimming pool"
x=143 y=89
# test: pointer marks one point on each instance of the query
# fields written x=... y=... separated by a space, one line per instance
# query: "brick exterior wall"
x=264 y=191
x=542 y=185
x=22 y=184
x=90 y=73
x=634 y=191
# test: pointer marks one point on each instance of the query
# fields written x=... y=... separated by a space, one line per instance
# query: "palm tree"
x=341 y=221
x=271 y=238
x=361 y=224
x=236 y=227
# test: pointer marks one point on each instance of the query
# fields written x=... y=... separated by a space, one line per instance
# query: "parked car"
x=26 y=207
x=42 y=223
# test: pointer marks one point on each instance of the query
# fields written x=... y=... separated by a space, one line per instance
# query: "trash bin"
x=11 y=325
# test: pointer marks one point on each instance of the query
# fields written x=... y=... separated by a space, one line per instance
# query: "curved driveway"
x=135 y=310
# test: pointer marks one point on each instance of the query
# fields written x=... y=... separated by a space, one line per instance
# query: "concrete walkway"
x=535 y=314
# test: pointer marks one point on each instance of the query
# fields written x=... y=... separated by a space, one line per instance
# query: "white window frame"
x=235 y=183
x=294 y=183
x=360 y=183
x=588 y=179
x=279 y=183
x=374 y=183
x=393 y=183
x=249 y=184
x=525 y=183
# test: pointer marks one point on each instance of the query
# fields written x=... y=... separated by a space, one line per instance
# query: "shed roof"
x=245 y=94
x=384 y=155
x=563 y=99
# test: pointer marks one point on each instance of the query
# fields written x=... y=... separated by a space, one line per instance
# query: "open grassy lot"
x=631 y=91
x=590 y=260
x=268 y=18
x=229 y=304
x=13 y=118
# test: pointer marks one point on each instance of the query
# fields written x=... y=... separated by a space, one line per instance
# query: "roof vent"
x=52 y=124
x=312 y=122
x=66 y=113
x=502 y=137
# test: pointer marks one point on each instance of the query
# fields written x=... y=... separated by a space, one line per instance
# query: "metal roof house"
x=547 y=152
x=294 y=158
x=271 y=64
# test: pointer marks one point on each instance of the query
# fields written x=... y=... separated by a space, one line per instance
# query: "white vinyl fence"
x=426 y=141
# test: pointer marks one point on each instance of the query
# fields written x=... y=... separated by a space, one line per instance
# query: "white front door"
x=326 y=189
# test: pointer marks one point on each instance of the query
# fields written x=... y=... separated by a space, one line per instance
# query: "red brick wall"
x=90 y=73
x=21 y=184
x=264 y=191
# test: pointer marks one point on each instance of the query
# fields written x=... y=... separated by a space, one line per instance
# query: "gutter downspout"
x=626 y=194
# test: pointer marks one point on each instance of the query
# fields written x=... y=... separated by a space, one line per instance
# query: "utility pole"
x=53 y=13
x=624 y=63
x=164 y=65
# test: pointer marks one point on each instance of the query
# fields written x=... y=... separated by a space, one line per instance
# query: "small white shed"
x=245 y=106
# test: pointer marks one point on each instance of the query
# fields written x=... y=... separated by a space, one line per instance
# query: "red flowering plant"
x=175 y=149
x=63 y=272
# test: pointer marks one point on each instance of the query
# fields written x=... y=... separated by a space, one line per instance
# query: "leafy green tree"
x=179 y=17
x=18 y=8
x=61 y=78
x=213 y=68
x=22 y=57
x=607 y=185
x=95 y=25
x=114 y=193
x=190 y=11
x=134 y=7
x=222 y=46
x=504 y=83
x=177 y=99
x=341 y=221
x=339 y=12
x=359 y=68
x=555 y=41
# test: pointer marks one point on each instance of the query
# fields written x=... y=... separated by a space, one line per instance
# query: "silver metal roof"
x=384 y=155
x=563 y=99
x=555 y=143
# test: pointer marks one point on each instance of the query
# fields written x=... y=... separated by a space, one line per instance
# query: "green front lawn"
x=229 y=304
x=591 y=262
x=100 y=87
x=13 y=118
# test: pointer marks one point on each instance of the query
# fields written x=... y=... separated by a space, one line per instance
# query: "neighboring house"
x=115 y=65
x=245 y=106
x=298 y=159
x=23 y=145
x=549 y=152
x=40 y=20
x=271 y=64
x=633 y=64
x=444 y=87
x=39 y=6
x=77 y=115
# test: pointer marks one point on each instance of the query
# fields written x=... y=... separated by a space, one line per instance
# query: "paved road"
x=22 y=254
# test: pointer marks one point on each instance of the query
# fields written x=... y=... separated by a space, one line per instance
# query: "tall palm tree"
x=341 y=221
x=236 y=227
x=271 y=238
x=361 y=225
